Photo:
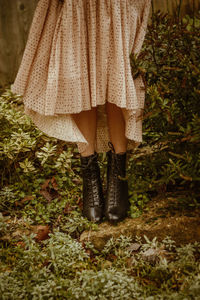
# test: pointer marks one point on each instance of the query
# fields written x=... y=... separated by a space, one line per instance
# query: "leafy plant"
x=169 y=63
x=41 y=184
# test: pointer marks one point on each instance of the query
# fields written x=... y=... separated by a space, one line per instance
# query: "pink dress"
x=78 y=56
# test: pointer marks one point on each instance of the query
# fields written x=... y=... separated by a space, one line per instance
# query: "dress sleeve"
x=142 y=26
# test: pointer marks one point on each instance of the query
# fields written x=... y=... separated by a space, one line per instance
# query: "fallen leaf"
x=21 y=244
x=25 y=199
x=46 y=195
x=45 y=184
x=134 y=247
x=54 y=183
x=68 y=208
x=41 y=231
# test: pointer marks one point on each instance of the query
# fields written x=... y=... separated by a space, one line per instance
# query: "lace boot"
x=117 y=203
x=92 y=189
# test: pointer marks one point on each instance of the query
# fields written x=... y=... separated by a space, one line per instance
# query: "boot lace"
x=116 y=169
x=91 y=174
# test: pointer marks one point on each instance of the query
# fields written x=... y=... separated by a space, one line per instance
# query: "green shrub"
x=61 y=268
x=41 y=183
x=105 y=284
x=169 y=158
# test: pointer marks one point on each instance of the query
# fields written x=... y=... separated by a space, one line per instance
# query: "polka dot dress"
x=77 y=57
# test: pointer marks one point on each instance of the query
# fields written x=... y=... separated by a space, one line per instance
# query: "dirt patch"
x=163 y=216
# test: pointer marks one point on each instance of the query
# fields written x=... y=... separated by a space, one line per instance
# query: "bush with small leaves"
x=169 y=157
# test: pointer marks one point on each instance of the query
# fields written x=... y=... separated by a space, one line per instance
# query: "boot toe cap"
x=94 y=214
x=115 y=217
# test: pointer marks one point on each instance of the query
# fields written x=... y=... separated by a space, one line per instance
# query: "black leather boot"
x=116 y=203
x=93 y=202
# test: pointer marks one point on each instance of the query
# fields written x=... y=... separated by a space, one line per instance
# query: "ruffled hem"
x=63 y=127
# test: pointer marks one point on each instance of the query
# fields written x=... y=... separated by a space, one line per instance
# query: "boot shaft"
x=117 y=203
x=116 y=164
x=92 y=188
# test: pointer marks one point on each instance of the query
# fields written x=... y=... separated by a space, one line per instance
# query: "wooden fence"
x=15 y=20
x=171 y=6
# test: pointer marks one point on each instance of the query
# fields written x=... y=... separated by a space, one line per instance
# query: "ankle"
x=87 y=153
x=117 y=149
x=88 y=150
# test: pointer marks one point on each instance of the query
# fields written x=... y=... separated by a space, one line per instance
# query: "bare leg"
x=87 y=123
x=116 y=125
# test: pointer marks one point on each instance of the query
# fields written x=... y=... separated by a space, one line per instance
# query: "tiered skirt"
x=77 y=57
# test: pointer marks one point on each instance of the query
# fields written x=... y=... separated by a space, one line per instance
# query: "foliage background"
x=41 y=184
x=15 y=21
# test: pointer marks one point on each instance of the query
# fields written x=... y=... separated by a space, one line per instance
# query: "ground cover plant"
x=170 y=64
x=40 y=197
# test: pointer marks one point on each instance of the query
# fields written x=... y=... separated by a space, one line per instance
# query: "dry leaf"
x=41 y=231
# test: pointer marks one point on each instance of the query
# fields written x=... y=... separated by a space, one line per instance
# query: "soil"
x=165 y=215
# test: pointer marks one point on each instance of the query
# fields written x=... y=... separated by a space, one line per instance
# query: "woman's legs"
x=93 y=202
x=87 y=123
x=116 y=205
x=117 y=202
x=116 y=125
